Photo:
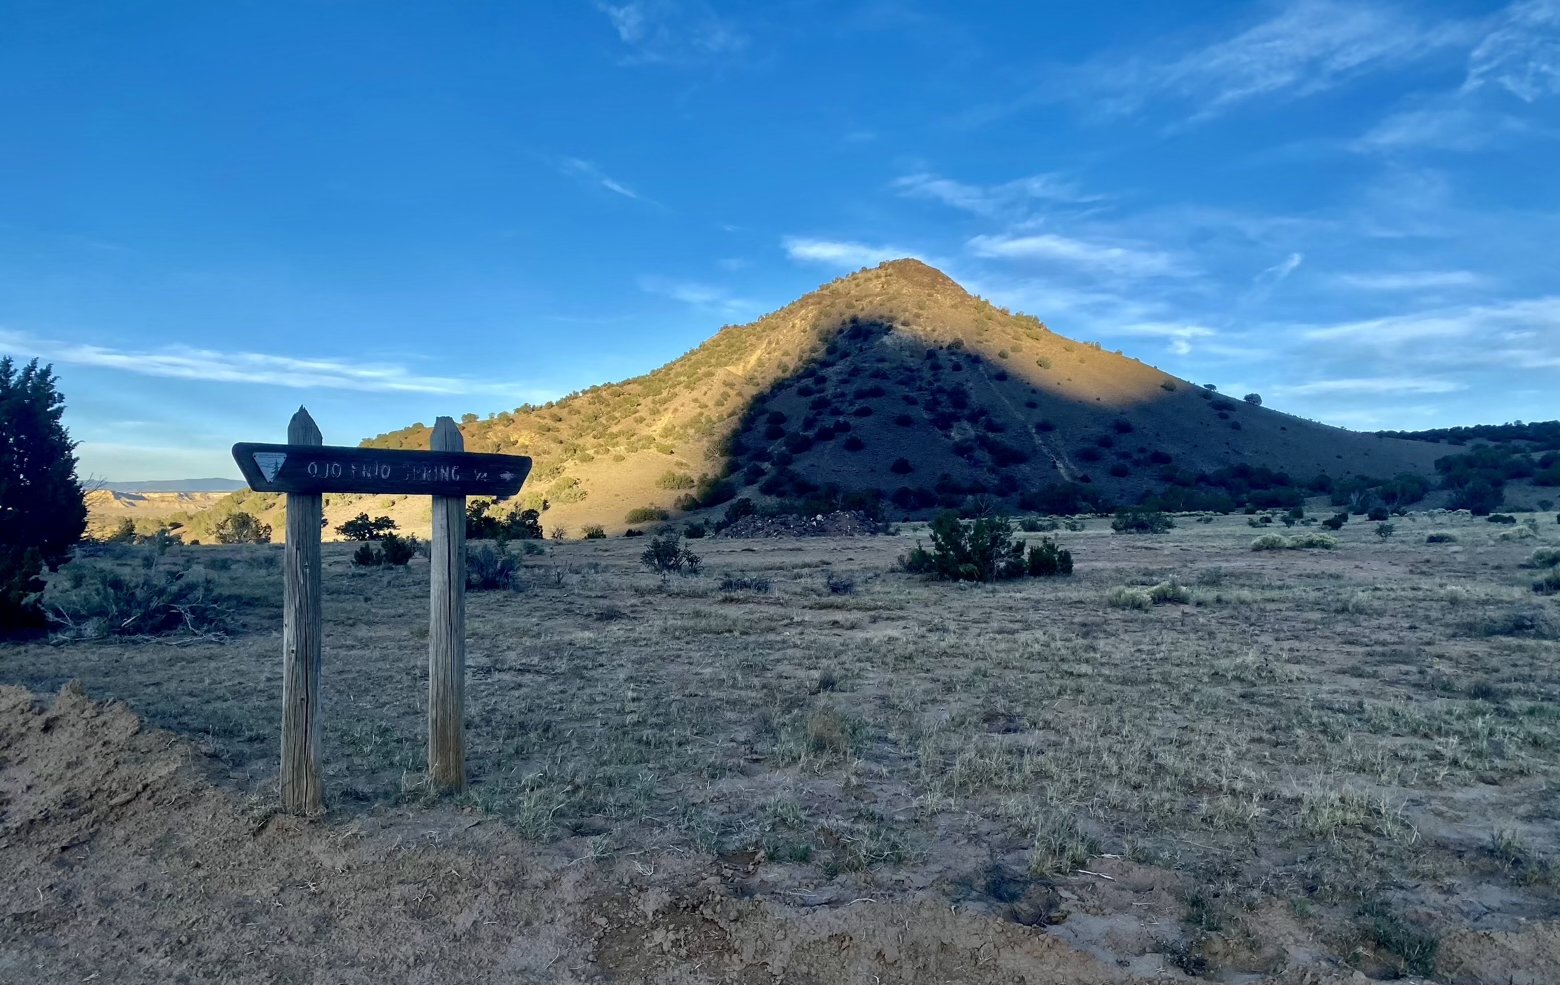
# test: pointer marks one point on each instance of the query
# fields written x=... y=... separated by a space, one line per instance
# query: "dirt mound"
x=125 y=863
x=841 y=524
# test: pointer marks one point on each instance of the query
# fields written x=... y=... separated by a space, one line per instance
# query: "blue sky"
x=210 y=213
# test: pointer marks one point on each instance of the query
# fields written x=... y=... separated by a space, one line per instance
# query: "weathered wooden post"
x=447 y=629
x=303 y=790
x=305 y=469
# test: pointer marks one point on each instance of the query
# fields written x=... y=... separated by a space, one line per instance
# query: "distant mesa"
x=176 y=485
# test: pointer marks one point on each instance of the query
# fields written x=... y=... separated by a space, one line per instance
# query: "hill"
x=108 y=508
x=176 y=486
x=896 y=384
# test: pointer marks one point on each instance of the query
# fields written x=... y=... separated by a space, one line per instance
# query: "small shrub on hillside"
x=631 y=532
x=1142 y=522
x=593 y=531
x=1336 y=521
x=665 y=556
x=365 y=556
x=1504 y=518
x=1440 y=537
x=647 y=514
x=1385 y=530
x=1035 y=525
x=1517 y=533
x=1379 y=514
x=490 y=567
x=676 y=480
x=694 y=531
x=1270 y=542
x=901 y=466
x=1048 y=560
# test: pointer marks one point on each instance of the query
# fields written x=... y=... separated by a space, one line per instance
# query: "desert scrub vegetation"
x=145 y=598
x=393 y=551
x=1298 y=542
x=1440 y=537
x=491 y=567
x=982 y=551
x=1142 y=522
x=666 y=556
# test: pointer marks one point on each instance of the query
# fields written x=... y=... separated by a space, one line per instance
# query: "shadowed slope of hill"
x=895 y=363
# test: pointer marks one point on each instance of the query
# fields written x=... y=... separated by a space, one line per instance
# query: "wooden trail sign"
x=305 y=468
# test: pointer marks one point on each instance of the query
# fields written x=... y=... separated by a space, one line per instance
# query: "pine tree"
x=43 y=510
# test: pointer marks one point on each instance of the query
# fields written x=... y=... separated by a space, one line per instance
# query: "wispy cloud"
x=1446 y=124
x=673 y=31
x=1522 y=55
x=1411 y=280
x=1372 y=386
x=576 y=167
x=699 y=295
x=991 y=200
x=216 y=366
x=1534 y=318
x=1307 y=47
x=1103 y=257
x=843 y=253
x=1180 y=336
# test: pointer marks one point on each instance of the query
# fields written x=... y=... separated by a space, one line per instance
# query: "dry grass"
x=1318 y=727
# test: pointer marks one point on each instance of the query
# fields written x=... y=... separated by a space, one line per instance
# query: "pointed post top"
x=446 y=436
x=302 y=430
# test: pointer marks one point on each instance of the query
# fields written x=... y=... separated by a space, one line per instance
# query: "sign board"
x=327 y=468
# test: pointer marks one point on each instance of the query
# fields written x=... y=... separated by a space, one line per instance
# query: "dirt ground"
x=804 y=766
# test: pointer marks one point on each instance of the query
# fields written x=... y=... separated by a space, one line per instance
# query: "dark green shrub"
x=361 y=527
x=631 y=532
x=1336 y=521
x=241 y=528
x=901 y=466
x=647 y=514
x=676 y=480
x=1142 y=522
x=694 y=531
x=43 y=510
x=517 y=524
x=738 y=509
x=1048 y=560
x=665 y=556
x=984 y=551
x=398 y=551
x=1385 y=530
x=1379 y=514
x=366 y=557
x=490 y=566
x=1440 y=537
x=593 y=531
x=1501 y=518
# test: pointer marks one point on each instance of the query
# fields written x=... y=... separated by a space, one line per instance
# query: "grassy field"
x=1351 y=751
